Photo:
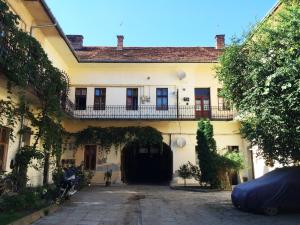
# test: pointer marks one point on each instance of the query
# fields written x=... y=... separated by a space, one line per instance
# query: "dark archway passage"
x=146 y=164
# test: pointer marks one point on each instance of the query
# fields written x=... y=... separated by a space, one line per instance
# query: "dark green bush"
x=28 y=199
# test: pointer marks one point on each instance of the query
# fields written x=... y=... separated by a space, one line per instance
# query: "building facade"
x=167 y=88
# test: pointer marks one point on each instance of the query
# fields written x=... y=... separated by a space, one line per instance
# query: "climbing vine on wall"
x=25 y=65
x=117 y=136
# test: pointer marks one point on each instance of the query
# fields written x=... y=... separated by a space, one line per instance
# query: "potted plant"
x=107 y=177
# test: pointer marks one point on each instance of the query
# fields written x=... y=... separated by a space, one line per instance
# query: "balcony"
x=149 y=112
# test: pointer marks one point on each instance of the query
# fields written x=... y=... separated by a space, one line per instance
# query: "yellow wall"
x=147 y=76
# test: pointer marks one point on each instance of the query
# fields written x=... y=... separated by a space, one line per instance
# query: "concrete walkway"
x=156 y=205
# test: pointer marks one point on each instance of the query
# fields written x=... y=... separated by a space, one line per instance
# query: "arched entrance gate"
x=146 y=164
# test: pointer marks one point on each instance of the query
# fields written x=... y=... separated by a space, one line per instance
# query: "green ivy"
x=25 y=64
x=117 y=136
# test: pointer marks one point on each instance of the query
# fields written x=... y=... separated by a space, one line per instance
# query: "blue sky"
x=158 y=22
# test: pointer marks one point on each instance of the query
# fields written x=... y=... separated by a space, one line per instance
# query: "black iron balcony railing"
x=148 y=112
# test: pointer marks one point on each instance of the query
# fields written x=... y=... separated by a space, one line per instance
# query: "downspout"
x=177 y=103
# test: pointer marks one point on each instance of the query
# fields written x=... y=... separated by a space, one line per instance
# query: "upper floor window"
x=80 y=98
x=223 y=104
x=162 y=98
x=100 y=99
x=132 y=99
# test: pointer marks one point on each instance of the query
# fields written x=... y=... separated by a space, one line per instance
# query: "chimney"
x=76 y=41
x=220 y=41
x=120 y=42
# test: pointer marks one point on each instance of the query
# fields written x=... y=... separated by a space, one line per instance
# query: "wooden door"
x=202 y=103
x=90 y=153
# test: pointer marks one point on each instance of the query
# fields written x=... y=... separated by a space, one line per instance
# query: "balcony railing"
x=148 y=112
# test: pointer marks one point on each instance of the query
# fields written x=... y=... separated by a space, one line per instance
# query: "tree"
x=215 y=169
x=261 y=76
x=184 y=172
x=206 y=151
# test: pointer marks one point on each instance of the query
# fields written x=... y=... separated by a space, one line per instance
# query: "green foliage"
x=84 y=177
x=195 y=172
x=233 y=161
x=262 y=78
x=291 y=2
x=28 y=199
x=25 y=64
x=22 y=161
x=107 y=137
x=57 y=176
x=206 y=152
x=184 y=172
x=215 y=168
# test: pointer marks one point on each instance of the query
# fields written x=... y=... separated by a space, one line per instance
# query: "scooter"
x=69 y=185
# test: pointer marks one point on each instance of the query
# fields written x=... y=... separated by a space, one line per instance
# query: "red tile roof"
x=149 y=54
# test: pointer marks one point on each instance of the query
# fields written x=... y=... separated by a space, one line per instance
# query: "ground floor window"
x=233 y=148
x=90 y=157
x=26 y=136
x=4 y=138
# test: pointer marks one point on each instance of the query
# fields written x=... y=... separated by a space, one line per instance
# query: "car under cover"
x=277 y=189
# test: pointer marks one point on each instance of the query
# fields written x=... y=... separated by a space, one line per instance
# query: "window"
x=132 y=99
x=26 y=136
x=100 y=99
x=4 y=137
x=80 y=99
x=162 y=98
x=223 y=104
x=90 y=157
x=233 y=148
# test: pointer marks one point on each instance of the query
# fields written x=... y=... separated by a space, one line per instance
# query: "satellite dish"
x=181 y=75
x=181 y=142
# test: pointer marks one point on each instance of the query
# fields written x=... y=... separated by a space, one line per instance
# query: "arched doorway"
x=146 y=164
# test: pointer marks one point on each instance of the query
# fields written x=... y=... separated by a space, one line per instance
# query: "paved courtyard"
x=156 y=205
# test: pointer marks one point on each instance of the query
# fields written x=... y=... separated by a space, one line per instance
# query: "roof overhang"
x=43 y=15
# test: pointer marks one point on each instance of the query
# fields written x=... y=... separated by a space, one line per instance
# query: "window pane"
x=198 y=104
x=202 y=91
x=135 y=92
x=165 y=101
x=129 y=101
x=158 y=92
x=80 y=91
x=129 y=92
x=206 y=104
x=159 y=102
x=97 y=92
x=165 y=91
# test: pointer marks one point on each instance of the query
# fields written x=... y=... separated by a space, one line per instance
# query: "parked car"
x=275 y=191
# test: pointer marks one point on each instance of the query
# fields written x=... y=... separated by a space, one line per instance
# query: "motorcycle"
x=69 y=184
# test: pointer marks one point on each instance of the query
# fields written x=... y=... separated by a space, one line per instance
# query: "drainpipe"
x=41 y=26
x=21 y=129
x=177 y=103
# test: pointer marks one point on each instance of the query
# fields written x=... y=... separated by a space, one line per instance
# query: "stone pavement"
x=156 y=205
